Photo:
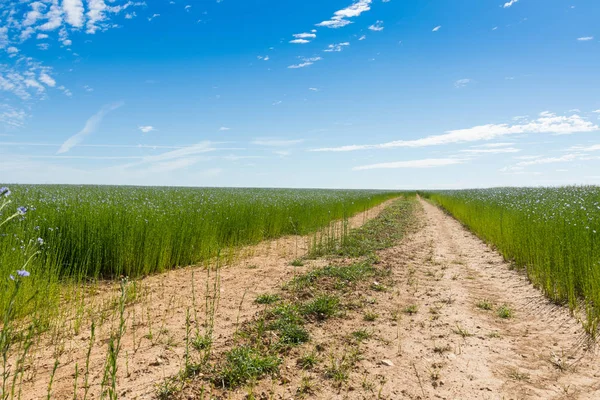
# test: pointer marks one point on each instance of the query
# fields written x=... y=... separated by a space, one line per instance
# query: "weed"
x=167 y=389
x=361 y=335
x=308 y=360
x=505 y=312
x=201 y=342
x=322 y=307
x=459 y=330
x=378 y=287
x=370 y=316
x=267 y=299
x=243 y=364
x=517 y=375
x=485 y=304
x=410 y=309
x=307 y=386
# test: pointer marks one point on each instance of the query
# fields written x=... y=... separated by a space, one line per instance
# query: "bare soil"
x=429 y=340
x=153 y=346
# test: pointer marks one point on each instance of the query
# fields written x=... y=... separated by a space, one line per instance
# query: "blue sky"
x=339 y=94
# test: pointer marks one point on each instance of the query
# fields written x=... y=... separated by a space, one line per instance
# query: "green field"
x=554 y=233
x=89 y=232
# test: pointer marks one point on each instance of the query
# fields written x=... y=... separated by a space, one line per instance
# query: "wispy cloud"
x=437 y=28
x=274 y=142
x=12 y=117
x=493 y=145
x=336 y=47
x=586 y=149
x=377 y=26
x=549 y=160
x=340 y=17
x=146 y=128
x=585 y=38
x=462 y=83
x=305 y=62
x=425 y=163
x=90 y=127
x=500 y=150
x=224 y=128
x=546 y=123
x=510 y=3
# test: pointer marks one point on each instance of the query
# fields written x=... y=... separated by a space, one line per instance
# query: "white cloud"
x=305 y=62
x=425 y=163
x=74 y=12
x=336 y=47
x=304 y=35
x=585 y=38
x=339 y=18
x=224 y=128
x=363 y=37
x=90 y=127
x=510 y=3
x=12 y=117
x=47 y=79
x=146 y=128
x=596 y=111
x=54 y=18
x=586 y=149
x=273 y=142
x=282 y=153
x=462 y=83
x=527 y=157
x=184 y=152
x=377 y=26
x=41 y=36
x=549 y=160
x=500 y=150
x=546 y=123
x=299 y=41
x=313 y=89
x=437 y=28
x=493 y=145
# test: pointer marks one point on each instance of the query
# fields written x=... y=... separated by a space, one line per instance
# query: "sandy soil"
x=450 y=348
x=154 y=342
x=540 y=353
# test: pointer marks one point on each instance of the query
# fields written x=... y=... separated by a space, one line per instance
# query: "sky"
x=388 y=94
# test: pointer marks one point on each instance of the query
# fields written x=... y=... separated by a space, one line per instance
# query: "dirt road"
x=453 y=349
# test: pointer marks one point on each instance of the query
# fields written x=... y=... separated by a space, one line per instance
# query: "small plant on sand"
x=308 y=360
x=297 y=263
x=485 y=305
x=505 y=312
x=459 y=330
x=306 y=387
x=361 y=335
x=411 y=309
x=267 y=298
x=244 y=364
x=322 y=307
x=370 y=316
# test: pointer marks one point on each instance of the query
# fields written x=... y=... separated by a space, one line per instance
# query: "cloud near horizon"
x=425 y=163
x=546 y=123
